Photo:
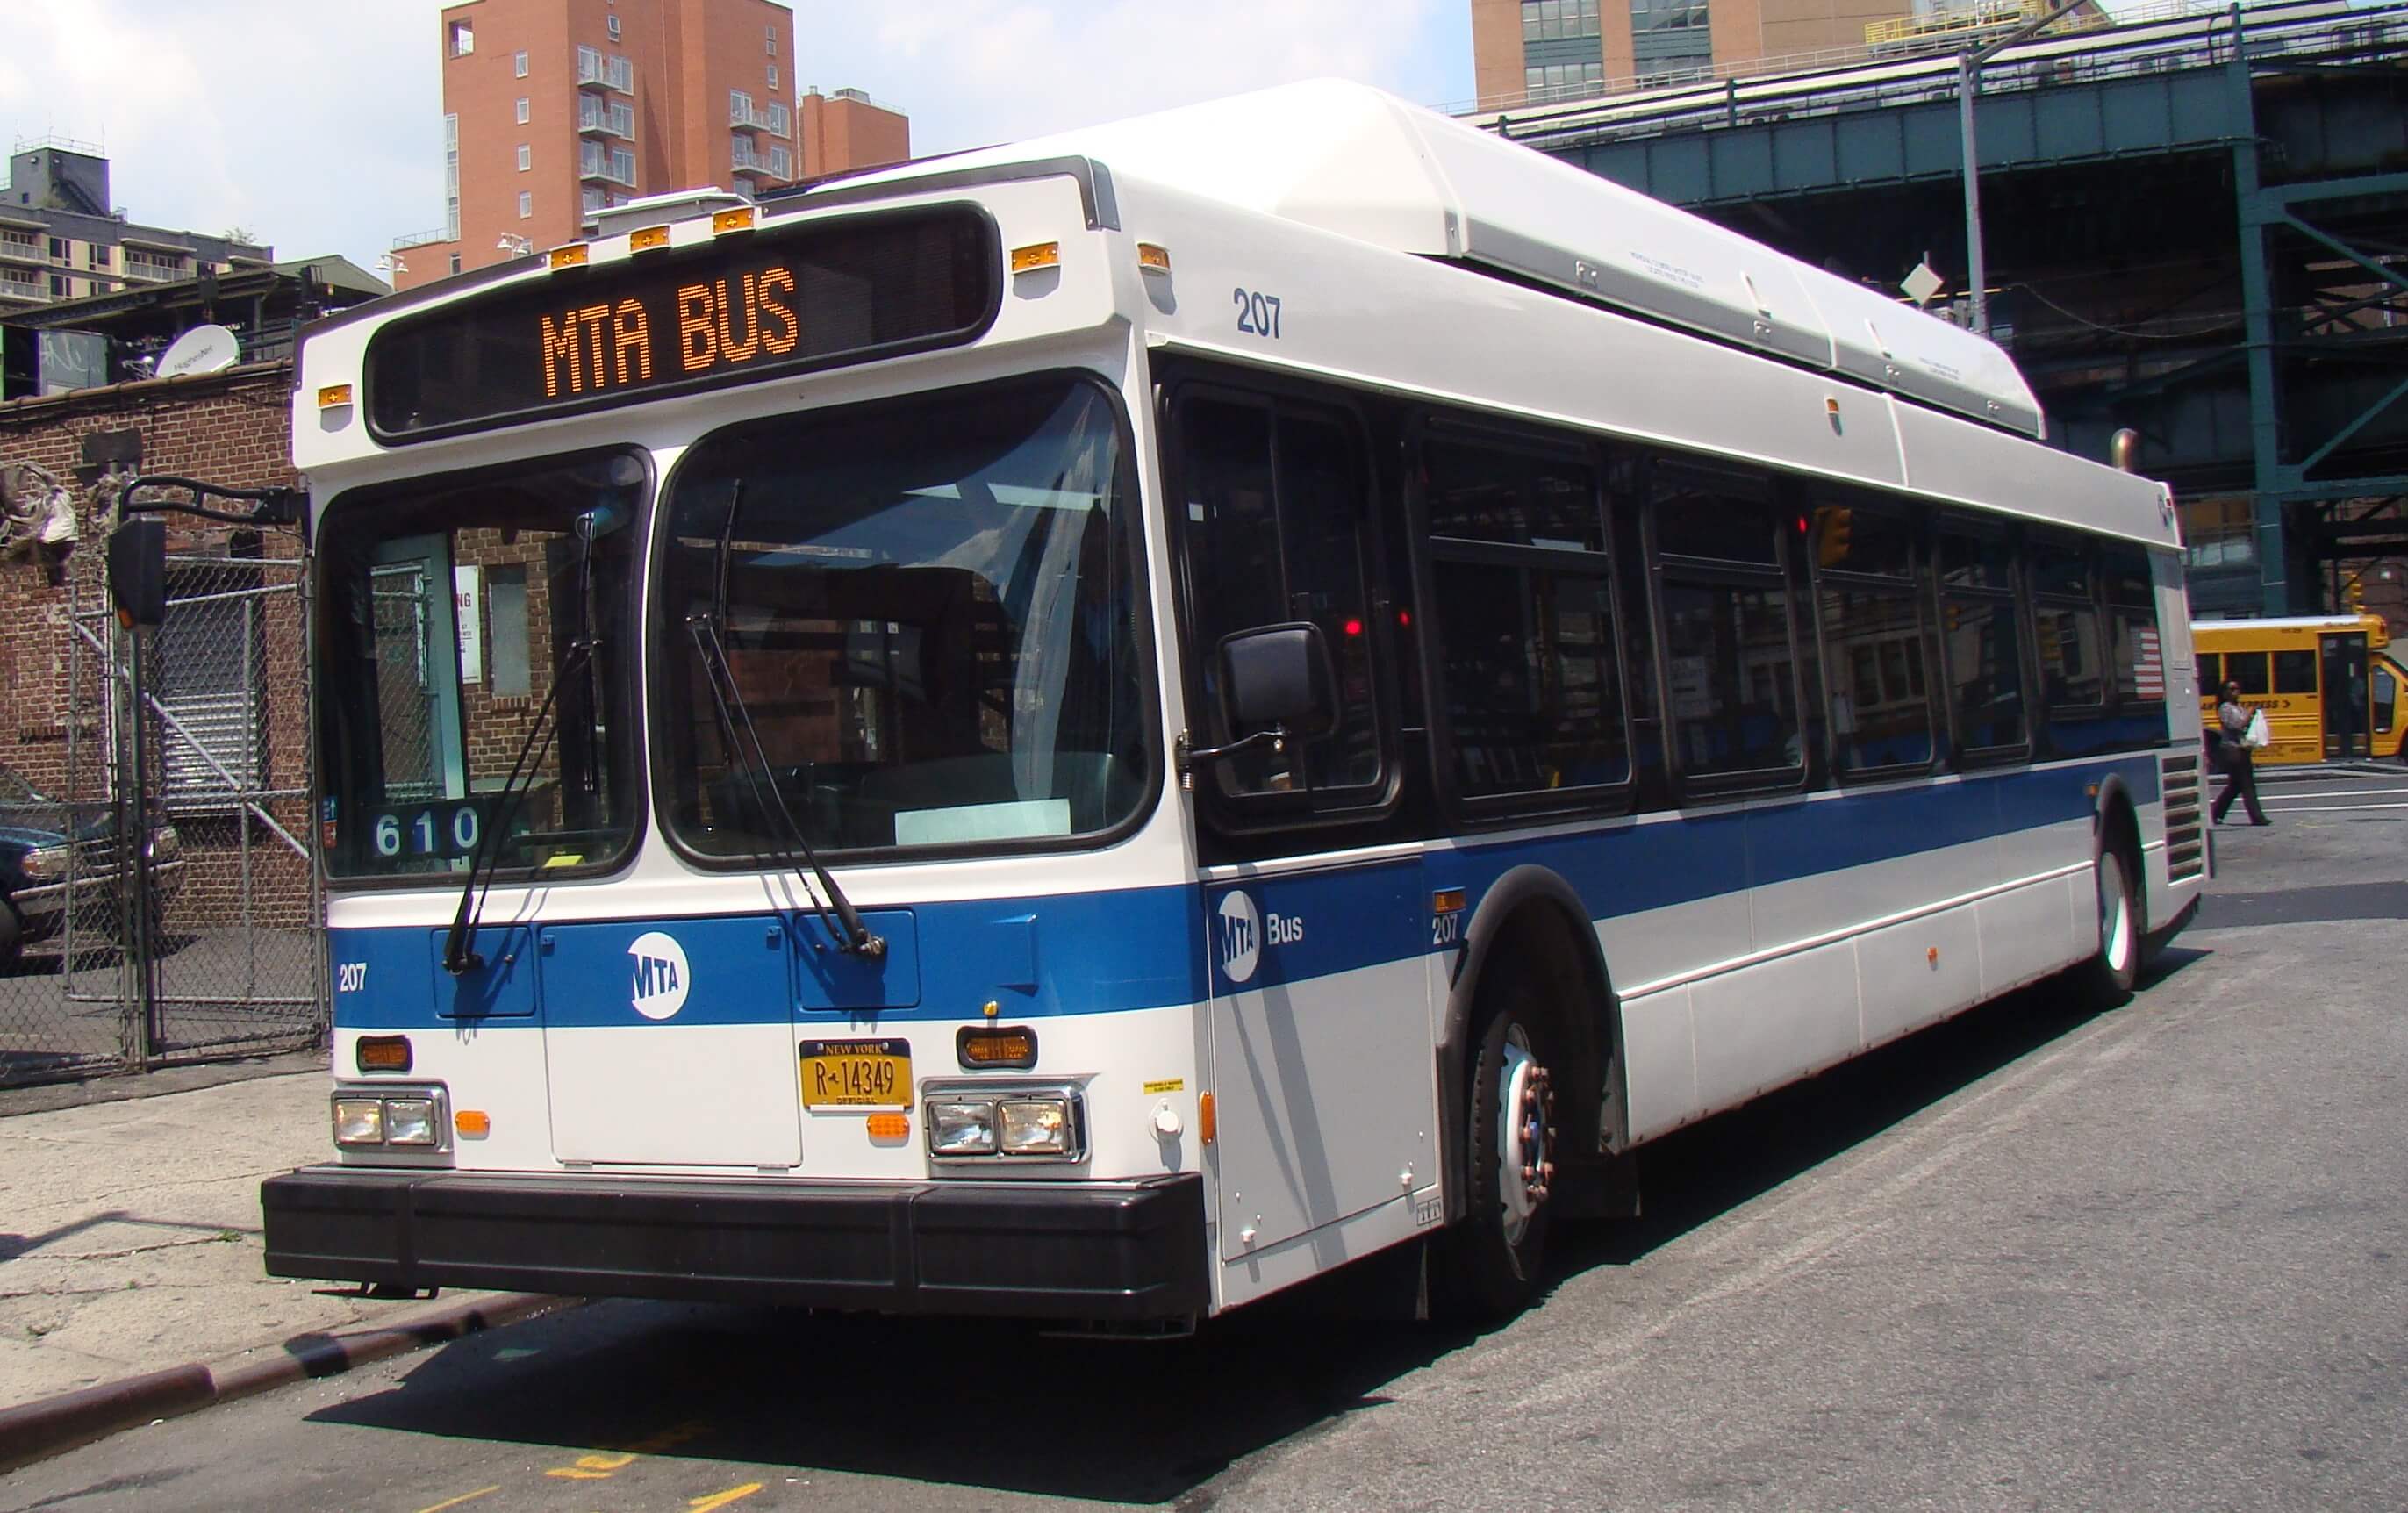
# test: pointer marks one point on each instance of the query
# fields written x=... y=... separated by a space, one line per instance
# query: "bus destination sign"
x=820 y=295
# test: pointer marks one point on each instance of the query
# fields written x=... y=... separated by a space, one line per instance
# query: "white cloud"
x=318 y=124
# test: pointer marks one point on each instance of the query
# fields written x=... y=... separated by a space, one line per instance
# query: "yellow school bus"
x=2329 y=683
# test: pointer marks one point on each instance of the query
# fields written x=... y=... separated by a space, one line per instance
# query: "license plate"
x=856 y=1073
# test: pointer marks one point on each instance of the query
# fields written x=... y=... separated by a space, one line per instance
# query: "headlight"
x=414 y=1118
x=45 y=862
x=989 y=1124
x=359 y=1121
x=409 y=1121
x=1035 y=1126
x=961 y=1129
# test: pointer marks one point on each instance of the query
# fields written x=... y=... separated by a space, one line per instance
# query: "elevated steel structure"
x=2196 y=226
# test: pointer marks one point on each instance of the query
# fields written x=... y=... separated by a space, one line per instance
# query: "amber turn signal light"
x=381 y=1053
x=1010 y=1045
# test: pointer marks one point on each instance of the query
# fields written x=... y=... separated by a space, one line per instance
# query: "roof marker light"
x=570 y=256
x=648 y=238
x=334 y=395
x=1043 y=255
x=738 y=219
x=1152 y=257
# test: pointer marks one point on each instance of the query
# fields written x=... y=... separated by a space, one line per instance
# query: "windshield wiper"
x=855 y=936
x=486 y=855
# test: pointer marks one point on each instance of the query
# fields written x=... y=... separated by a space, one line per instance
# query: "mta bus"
x=2330 y=683
x=1092 y=730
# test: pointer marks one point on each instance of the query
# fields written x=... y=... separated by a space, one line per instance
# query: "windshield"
x=450 y=610
x=929 y=615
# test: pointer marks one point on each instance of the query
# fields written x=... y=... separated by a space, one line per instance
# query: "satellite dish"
x=204 y=349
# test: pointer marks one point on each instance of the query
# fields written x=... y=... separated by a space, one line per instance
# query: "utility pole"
x=1968 y=84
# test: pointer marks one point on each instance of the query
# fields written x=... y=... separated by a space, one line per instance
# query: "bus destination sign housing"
x=821 y=294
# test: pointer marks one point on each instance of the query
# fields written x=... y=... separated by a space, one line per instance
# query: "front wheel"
x=1491 y=1260
x=2110 y=975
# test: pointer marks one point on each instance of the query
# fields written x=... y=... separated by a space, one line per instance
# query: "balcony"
x=597 y=116
x=596 y=72
x=612 y=165
x=27 y=250
x=32 y=289
x=144 y=270
x=742 y=116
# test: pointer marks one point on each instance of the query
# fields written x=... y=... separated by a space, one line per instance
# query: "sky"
x=317 y=125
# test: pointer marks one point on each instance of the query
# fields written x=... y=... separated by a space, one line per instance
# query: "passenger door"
x=1320 y=1033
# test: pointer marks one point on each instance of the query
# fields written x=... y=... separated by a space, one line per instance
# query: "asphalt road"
x=2154 y=1258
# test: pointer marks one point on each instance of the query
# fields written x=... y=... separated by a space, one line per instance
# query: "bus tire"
x=1491 y=1261
x=2108 y=976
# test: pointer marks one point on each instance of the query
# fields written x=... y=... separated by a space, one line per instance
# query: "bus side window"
x=2065 y=625
x=2387 y=693
x=1276 y=502
x=2247 y=668
x=2137 y=657
x=1526 y=635
x=1981 y=645
x=2294 y=672
x=1729 y=650
x=1872 y=620
x=2211 y=673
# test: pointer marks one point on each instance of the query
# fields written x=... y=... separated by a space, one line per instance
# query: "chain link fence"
x=212 y=949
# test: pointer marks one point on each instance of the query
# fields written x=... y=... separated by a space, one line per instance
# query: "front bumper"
x=1021 y=1249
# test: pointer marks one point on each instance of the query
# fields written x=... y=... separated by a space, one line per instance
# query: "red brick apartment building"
x=557 y=109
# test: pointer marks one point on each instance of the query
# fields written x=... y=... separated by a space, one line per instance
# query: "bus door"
x=2384 y=680
x=1320 y=1030
x=2344 y=694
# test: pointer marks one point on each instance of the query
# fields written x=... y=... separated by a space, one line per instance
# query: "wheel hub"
x=1526 y=1116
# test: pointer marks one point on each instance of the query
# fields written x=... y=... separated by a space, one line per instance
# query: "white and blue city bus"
x=1090 y=731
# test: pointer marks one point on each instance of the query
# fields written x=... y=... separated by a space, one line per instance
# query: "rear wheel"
x=2110 y=975
x=1490 y=1261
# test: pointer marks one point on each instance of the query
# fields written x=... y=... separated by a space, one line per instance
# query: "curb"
x=34 y=1431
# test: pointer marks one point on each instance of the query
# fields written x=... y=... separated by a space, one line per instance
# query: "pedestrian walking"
x=2240 y=771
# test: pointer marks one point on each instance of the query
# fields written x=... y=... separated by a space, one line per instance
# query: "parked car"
x=49 y=865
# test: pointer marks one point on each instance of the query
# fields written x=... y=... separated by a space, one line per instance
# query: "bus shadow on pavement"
x=1695 y=1175
x=1006 y=1407
x=1000 y=1407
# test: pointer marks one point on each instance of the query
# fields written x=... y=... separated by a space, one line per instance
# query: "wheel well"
x=2120 y=829
x=1532 y=930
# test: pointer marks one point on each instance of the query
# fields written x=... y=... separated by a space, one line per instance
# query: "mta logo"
x=1241 y=930
x=657 y=988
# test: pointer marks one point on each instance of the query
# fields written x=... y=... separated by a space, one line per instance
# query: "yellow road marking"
x=464 y=1497
x=704 y=1505
x=599 y=1465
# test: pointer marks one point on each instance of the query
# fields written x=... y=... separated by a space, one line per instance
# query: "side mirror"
x=137 y=571
x=1278 y=676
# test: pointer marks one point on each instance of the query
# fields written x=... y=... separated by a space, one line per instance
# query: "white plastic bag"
x=2254 y=736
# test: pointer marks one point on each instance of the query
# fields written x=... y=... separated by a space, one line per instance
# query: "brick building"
x=228 y=664
x=1537 y=52
x=849 y=130
x=555 y=110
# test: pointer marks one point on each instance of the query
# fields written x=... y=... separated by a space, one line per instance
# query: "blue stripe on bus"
x=1087 y=953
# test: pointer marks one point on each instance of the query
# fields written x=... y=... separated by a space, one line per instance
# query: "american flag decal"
x=2148 y=665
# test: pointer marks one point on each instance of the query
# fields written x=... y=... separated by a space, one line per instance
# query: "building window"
x=59 y=249
x=451 y=176
x=594 y=199
x=526 y=157
x=518 y=64
x=96 y=256
x=455 y=262
x=58 y=287
x=1545 y=21
x=463 y=38
x=769 y=40
x=526 y=110
x=782 y=162
x=614 y=28
x=773 y=76
x=526 y=204
x=739 y=108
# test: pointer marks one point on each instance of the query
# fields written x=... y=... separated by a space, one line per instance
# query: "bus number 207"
x=1258 y=315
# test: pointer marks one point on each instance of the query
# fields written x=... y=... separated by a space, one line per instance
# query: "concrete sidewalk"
x=130 y=1235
